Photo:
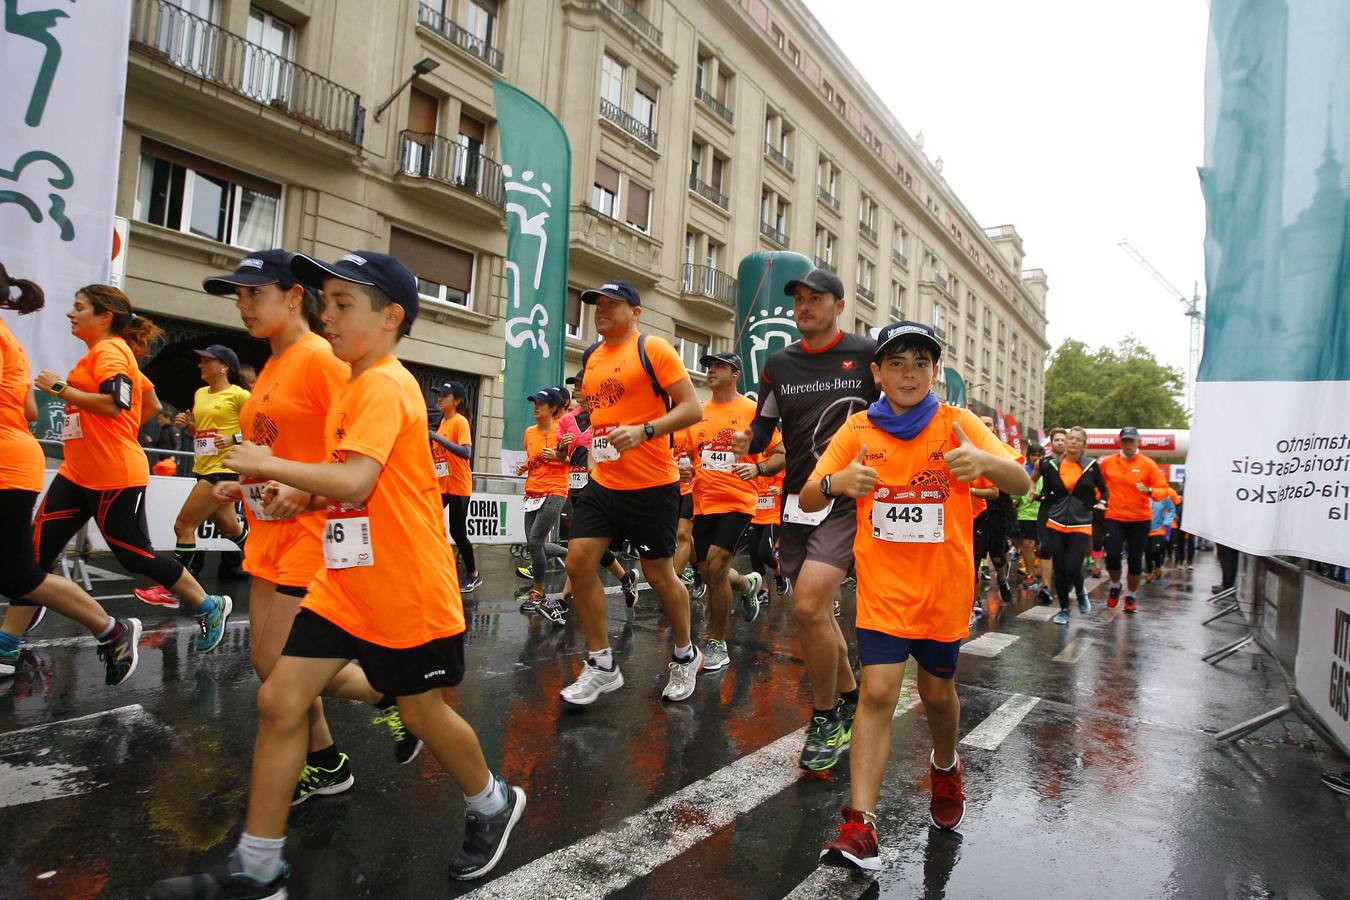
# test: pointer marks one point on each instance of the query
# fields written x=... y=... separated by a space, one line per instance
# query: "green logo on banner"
x=764 y=313
x=536 y=170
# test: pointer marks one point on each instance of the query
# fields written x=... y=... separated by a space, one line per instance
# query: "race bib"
x=204 y=444
x=346 y=537
x=577 y=477
x=70 y=427
x=601 y=449
x=792 y=512
x=252 y=489
x=533 y=503
x=907 y=515
x=766 y=501
x=443 y=468
x=717 y=457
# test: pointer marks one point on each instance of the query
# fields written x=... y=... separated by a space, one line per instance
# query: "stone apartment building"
x=701 y=131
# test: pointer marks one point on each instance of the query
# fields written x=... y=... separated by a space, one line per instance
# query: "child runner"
x=21 y=474
x=909 y=461
x=384 y=527
x=545 y=470
x=454 y=442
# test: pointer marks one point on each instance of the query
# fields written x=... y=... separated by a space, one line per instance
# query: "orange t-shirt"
x=543 y=476
x=21 y=461
x=165 y=466
x=405 y=596
x=107 y=452
x=459 y=477
x=623 y=395
x=1069 y=473
x=681 y=454
x=717 y=489
x=1126 y=502
x=768 y=488
x=913 y=580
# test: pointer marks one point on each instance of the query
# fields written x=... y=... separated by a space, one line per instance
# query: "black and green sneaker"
x=822 y=748
x=844 y=713
x=316 y=781
x=406 y=744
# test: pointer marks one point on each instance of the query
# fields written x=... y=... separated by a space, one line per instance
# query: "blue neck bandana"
x=907 y=425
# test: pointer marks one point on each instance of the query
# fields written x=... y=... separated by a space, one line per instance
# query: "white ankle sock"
x=259 y=858
x=490 y=800
x=603 y=658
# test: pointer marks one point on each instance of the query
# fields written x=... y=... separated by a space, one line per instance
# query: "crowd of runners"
x=846 y=466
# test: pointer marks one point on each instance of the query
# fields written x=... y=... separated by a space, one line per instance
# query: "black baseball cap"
x=892 y=334
x=222 y=353
x=1128 y=433
x=454 y=388
x=365 y=267
x=821 y=281
x=564 y=394
x=262 y=267
x=547 y=395
x=615 y=290
x=731 y=359
x=575 y=379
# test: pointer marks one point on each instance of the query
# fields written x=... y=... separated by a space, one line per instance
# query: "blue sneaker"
x=213 y=623
x=1084 y=605
x=1061 y=617
x=9 y=663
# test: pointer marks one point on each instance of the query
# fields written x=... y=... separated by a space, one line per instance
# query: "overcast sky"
x=1079 y=123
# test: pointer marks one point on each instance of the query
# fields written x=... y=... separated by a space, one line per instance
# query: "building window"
x=795 y=55
x=865 y=274
x=639 y=206
x=576 y=314
x=717 y=174
x=778 y=37
x=605 y=191
x=690 y=247
x=194 y=195
x=897 y=300
x=480 y=19
x=829 y=92
x=611 y=80
x=644 y=103
x=444 y=273
x=701 y=72
x=713 y=256
x=695 y=159
x=867 y=212
x=824 y=247
x=693 y=346
x=264 y=79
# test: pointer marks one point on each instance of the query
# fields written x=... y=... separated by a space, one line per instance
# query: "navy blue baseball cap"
x=453 y=388
x=549 y=396
x=896 y=332
x=222 y=353
x=726 y=358
x=615 y=290
x=365 y=267
x=262 y=267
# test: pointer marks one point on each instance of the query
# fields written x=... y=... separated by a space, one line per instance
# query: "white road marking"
x=1072 y=650
x=29 y=781
x=1000 y=723
x=836 y=882
x=1039 y=613
x=87 y=640
x=990 y=644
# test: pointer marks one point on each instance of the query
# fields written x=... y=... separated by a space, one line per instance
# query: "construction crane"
x=1192 y=307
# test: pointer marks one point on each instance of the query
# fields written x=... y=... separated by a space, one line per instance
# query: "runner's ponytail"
x=30 y=298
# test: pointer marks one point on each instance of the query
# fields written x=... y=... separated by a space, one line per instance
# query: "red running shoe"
x=1129 y=604
x=856 y=845
x=948 y=806
x=156 y=595
x=1112 y=597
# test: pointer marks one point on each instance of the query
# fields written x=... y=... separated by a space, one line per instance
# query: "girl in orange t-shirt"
x=21 y=476
x=451 y=450
x=105 y=471
x=545 y=470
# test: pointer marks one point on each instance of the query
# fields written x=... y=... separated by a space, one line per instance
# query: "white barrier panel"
x=496 y=519
x=1322 y=666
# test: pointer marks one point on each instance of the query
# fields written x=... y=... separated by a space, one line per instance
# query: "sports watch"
x=649 y=430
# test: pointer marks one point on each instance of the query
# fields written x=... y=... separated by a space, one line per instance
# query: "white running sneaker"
x=754 y=582
x=592 y=682
x=682 y=677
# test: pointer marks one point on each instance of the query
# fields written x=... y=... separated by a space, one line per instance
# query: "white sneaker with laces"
x=592 y=682
x=682 y=677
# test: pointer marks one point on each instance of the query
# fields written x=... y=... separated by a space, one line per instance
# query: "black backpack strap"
x=651 y=372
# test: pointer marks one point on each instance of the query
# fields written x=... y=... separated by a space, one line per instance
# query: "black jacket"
x=1072 y=509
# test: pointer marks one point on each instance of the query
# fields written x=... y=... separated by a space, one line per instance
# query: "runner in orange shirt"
x=546 y=471
x=724 y=501
x=452 y=453
x=384 y=527
x=1134 y=480
x=634 y=488
x=105 y=471
x=1073 y=489
x=908 y=460
x=21 y=478
x=684 y=526
x=763 y=533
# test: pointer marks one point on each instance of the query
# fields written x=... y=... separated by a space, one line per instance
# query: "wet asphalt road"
x=1098 y=777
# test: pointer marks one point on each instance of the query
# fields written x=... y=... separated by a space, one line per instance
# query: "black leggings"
x=120 y=516
x=1183 y=547
x=459 y=530
x=761 y=539
x=19 y=573
x=1068 y=550
x=1157 y=551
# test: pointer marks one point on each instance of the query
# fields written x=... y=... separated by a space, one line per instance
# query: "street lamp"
x=421 y=68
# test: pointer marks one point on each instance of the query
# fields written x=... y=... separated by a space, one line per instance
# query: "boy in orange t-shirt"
x=909 y=461
x=383 y=528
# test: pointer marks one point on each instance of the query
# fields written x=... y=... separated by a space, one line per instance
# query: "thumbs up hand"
x=856 y=479
x=966 y=462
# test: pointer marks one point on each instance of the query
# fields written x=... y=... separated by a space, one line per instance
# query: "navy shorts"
x=937 y=658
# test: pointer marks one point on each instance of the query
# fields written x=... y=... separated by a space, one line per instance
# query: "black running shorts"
x=644 y=517
x=402 y=673
x=718 y=530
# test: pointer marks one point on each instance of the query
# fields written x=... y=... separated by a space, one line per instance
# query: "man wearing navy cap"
x=1135 y=481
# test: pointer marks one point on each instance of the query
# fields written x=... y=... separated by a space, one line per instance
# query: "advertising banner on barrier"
x=1269 y=464
x=64 y=69
x=1322 y=667
x=764 y=314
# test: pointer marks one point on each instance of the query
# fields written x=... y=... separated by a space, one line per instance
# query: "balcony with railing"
x=451 y=163
x=778 y=158
x=867 y=294
x=826 y=265
x=970 y=317
x=719 y=108
x=601 y=240
x=638 y=129
x=162 y=31
x=708 y=192
x=629 y=14
x=773 y=234
x=940 y=280
x=462 y=38
x=867 y=231
x=829 y=199
x=899 y=257
x=712 y=284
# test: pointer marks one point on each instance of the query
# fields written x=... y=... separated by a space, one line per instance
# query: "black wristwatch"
x=825 y=487
x=649 y=430
x=759 y=468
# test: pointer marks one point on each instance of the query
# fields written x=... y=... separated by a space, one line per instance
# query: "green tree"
x=1112 y=388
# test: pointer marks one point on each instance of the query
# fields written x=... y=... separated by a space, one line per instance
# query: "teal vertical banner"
x=956 y=387
x=536 y=171
x=764 y=314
